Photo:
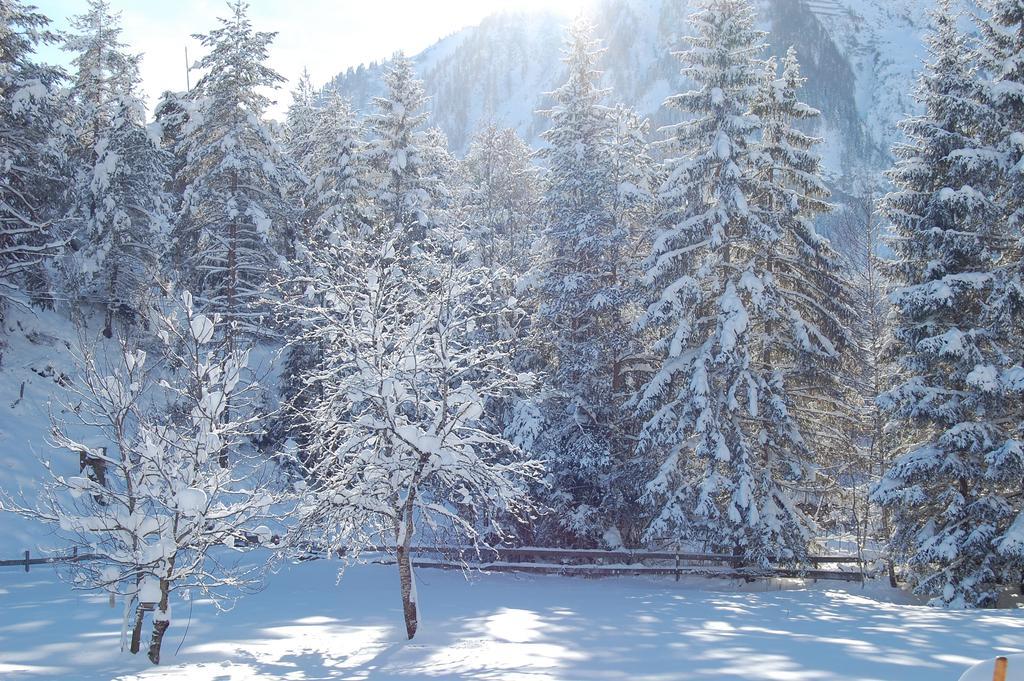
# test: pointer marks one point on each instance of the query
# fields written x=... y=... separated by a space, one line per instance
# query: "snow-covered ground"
x=507 y=627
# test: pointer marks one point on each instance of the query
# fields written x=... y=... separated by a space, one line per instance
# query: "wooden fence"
x=577 y=562
x=603 y=563
x=28 y=561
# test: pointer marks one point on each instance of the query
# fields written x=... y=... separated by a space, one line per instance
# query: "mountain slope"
x=859 y=56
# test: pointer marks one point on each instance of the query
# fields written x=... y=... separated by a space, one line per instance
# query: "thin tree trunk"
x=108 y=323
x=137 y=631
x=232 y=302
x=887 y=533
x=161 y=620
x=405 y=576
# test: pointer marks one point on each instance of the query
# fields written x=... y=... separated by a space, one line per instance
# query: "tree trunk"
x=137 y=631
x=405 y=576
x=893 y=582
x=161 y=620
x=408 y=597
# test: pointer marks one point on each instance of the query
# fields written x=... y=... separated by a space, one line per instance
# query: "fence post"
x=1000 y=673
x=677 y=563
x=27 y=558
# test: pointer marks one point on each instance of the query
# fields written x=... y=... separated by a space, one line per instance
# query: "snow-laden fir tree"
x=809 y=304
x=440 y=168
x=301 y=124
x=120 y=207
x=152 y=504
x=103 y=69
x=498 y=192
x=635 y=178
x=170 y=117
x=402 y=436
x=1003 y=59
x=580 y=284
x=724 y=420
x=33 y=139
x=336 y=202
x=402 y=187
x=236 y=224
x=952 y=485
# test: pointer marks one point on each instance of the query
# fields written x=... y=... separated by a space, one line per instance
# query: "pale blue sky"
x=324 y=36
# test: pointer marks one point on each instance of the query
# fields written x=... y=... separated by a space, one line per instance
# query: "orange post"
x=1000 y=672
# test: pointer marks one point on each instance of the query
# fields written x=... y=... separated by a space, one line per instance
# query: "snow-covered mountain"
x=859 y=56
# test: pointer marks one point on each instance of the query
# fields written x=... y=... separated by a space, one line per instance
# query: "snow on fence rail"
x=597 y=562
x=589 y=562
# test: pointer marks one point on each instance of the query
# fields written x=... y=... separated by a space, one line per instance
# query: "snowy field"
x=507 y=627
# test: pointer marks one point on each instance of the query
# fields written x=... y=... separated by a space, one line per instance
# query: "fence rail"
x=28 y=561
x=597 y=562
x=579 y=562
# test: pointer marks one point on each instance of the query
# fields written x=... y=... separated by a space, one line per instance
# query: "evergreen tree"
x=120 y=207
x=1001 y=377
x=634 y=180
x=1003 y=60
x=724 y=409
x=33 y=181
x=336 y=201
x=441 y=170
x=402 y=188
x=948 y=486
x=302 y=122
x=235 y=229
x=171 y=115
x=103 y=71
x=579 y=325
x=810 y=303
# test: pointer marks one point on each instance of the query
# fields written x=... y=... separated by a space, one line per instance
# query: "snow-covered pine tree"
x=403 y=438
x=301 y=124
x=808 y=307
x=153 y=504
x=132 y=222
x=635 y=178
x=120 y=208
x=579 y=327
x=402 y=188
x=948 y=496
x=103 y=70
x=498 y=190
x=722 y=420
x=236 y=224
x=337 y=200
x=440 y=168
x=1003 y=59
x=33 y=185
x=171 y=115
